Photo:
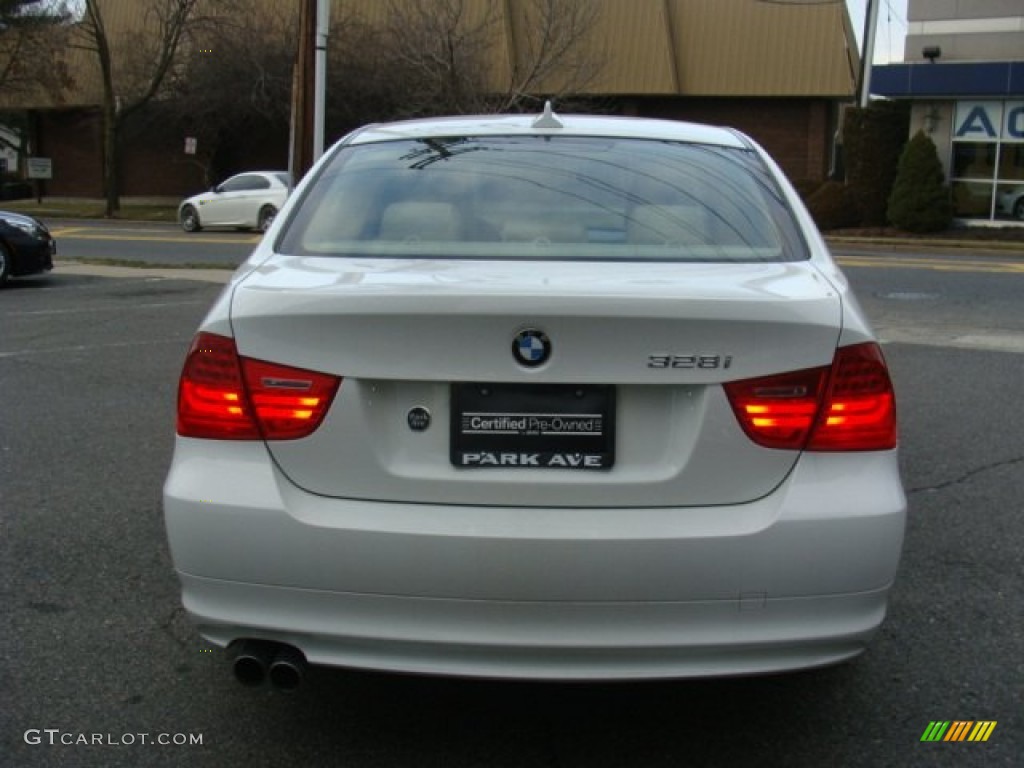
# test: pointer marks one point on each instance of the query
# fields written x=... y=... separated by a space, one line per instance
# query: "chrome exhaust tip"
x=251 y=661
x=288 y=668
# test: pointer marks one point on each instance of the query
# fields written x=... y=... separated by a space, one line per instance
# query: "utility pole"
x=323 y=24
x=870 y=25
x=301 y=152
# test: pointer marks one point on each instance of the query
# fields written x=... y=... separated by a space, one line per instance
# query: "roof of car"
x=534 y=124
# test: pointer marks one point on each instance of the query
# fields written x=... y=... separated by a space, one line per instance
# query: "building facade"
x=777 y=71
x=963 y=72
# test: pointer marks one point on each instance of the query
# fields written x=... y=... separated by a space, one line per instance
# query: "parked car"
x=26 y=246
x=1011 y=202
x=249 y=200
x=537 y=397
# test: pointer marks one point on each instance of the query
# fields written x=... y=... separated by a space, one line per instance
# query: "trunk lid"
x=651 y=342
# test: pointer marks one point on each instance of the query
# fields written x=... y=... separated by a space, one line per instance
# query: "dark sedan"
x=26 y=246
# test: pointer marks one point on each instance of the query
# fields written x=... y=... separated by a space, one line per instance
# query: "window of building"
x=987 y=170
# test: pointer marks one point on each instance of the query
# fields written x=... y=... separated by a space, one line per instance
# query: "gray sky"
x=892 y=28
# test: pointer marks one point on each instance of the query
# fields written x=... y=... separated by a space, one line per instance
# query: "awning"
x=951 y=80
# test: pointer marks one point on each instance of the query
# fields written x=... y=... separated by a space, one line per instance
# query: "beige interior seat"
x=543 y=230
x=426 y=221
x=669 y=225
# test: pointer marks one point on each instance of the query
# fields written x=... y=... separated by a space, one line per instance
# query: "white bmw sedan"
x=246 y=201
x=537 y=397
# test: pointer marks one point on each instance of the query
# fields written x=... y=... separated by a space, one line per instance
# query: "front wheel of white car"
x=189 y=219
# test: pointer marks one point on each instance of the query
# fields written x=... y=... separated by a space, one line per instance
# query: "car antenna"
x=547 y=119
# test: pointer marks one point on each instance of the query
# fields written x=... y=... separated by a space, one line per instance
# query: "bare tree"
x=556 y=57
x=234 y=83
x=31 y=41
x=134 y=66
x=444 y=52
x=227 y=78
x=232 y=87
x=439 y=50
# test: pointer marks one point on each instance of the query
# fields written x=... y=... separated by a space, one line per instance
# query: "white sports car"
x=548 y=397
x=246 y=201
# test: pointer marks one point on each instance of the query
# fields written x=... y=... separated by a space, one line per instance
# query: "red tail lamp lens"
x=778 y=411
x=848 y=406
x=289 y=402
x=226 y=397
x=860 y=412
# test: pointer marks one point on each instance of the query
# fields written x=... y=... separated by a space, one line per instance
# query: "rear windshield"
x=544 y=197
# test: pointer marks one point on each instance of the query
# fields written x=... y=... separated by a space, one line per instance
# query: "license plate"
x=533 y=426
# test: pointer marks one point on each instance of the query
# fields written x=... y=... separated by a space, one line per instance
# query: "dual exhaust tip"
x=258 y=660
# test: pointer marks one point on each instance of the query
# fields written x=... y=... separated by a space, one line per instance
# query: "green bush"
x=832 y=206
x=920 y=199
x=873 y=138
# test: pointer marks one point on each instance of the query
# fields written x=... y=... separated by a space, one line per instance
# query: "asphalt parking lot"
x=95 y=645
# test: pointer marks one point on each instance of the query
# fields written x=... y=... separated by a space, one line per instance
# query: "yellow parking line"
x=938 y=265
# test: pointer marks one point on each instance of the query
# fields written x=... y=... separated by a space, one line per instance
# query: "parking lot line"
x=182 y=340
x=941 y=265
x=113 y=308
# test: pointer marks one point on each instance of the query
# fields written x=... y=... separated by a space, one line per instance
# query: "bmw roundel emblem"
x=531 y=347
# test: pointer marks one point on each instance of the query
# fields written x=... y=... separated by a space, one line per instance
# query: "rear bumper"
x=796 y=579
x=540 y=641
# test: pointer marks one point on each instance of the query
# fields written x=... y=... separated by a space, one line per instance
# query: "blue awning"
x=954 y=79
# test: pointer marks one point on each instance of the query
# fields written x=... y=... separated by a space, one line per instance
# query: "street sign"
x=39 y=167
x=190 y=145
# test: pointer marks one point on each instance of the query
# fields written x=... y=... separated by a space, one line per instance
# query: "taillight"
x=848 y=406
x=211 y=398
x=859 y=413
x=289 y=402
x=224 y=396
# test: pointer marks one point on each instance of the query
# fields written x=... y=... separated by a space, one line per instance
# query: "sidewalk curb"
x=176 y=273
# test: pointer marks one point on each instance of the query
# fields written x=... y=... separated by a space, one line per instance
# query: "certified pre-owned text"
x=532 y=424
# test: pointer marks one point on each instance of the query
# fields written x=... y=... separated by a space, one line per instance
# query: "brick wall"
x=71 y=139
x=153 y=159
x=796 y=132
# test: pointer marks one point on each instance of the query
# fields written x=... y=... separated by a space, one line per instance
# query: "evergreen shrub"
x=920 y=199
x=873 y=138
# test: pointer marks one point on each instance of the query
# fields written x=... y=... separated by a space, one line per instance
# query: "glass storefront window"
x=987 y=161
x=1010 y=201
x=972 y=199
x=1011 y=161
x=974 y=161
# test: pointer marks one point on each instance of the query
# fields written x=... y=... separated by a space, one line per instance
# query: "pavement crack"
x=966 y=476
x=171 y=626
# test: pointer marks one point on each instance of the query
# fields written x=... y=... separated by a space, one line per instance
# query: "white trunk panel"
x=400 y=332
